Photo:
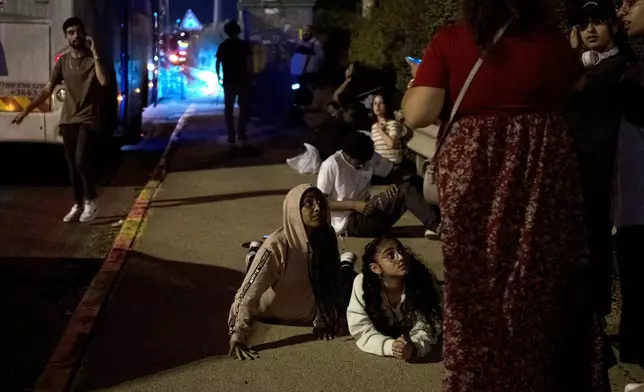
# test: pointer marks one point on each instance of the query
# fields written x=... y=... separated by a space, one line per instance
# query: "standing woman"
x=629 y=198
x=516 y=313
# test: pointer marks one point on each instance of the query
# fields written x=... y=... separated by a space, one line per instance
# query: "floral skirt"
x=517 y=316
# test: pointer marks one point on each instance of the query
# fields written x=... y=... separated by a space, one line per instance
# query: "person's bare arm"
x=343 y=206
x=422 y=106
x=41 y=98
x=101 y=73
x=218 y=69
x=340 y=90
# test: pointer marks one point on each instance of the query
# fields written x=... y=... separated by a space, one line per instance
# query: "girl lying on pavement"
x=296 y=276
x=396 y=303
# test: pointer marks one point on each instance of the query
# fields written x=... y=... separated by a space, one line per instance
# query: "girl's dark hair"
x=486 y=17
x=324 y=267
x=389 y=107
x=422 y=290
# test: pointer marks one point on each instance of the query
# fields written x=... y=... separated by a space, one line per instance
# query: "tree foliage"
x=400 y=28
x=397 y=29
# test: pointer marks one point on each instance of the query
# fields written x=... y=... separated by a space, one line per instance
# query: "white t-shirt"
x=340 y=181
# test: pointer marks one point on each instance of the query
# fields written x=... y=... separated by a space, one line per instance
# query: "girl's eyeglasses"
x=311 y=202
x=393 y=256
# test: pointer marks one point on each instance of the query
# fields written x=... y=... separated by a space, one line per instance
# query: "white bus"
x=32 y=40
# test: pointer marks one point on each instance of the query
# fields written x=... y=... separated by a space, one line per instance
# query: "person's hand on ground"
x=324 y=333
x=413 y=67
x=404 y=349
x=391 y=191
x=241 y=352
x=363 y=207
x=574 y=38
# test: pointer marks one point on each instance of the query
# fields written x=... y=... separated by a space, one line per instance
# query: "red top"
x=527 y=72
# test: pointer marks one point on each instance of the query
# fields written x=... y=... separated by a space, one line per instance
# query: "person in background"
x=628 y=200
x=345 y=179
x=84 y=75
x=396 y=303
x=306 y=63
x=234 y=56
x=517 y=314
x=388 y=135
x=295 y=276
x=594 y=114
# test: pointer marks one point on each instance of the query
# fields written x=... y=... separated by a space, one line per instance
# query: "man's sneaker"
x=252 y=251
x=634 y=388
x=73 y=214
x=89 y=212
x=348 y=259
x=433 y=234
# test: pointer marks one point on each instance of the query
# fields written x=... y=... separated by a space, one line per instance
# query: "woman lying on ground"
x=296 y=276
x=396 y=303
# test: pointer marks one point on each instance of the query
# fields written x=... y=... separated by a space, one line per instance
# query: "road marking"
x=60 y=369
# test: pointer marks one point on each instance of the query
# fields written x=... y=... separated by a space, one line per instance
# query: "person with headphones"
x=594 y=115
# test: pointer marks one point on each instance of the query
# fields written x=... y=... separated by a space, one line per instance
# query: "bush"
x=397 y=29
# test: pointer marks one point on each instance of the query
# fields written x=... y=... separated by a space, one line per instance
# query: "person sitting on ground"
x=345 y=178
x=396 y=303
x=388 y=134
x=332 y=131
x=296 y=276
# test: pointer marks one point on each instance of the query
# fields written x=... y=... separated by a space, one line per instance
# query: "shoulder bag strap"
x=466 y=86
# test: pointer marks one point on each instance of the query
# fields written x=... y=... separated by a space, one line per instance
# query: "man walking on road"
x=84 y=75
x=234 y=55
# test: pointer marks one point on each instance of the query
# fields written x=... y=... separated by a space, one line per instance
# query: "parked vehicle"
x=32 y=40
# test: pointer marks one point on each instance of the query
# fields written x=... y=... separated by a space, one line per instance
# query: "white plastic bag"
x=308 y=162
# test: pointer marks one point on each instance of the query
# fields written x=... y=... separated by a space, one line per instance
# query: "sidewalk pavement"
x=165 y=325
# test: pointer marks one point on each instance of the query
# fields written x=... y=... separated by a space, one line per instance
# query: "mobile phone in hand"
x=413 y=59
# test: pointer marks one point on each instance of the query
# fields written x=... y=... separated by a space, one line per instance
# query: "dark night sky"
x=202 y=8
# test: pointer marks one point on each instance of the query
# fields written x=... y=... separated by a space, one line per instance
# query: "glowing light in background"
x=173 y=58
x=295 y=86
x=151 y=67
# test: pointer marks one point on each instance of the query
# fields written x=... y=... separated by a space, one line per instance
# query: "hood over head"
x=292 y=221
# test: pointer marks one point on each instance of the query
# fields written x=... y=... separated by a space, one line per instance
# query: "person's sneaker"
x=73 y=214
x=434 y=233
x=348 y=259
x=89 y=212
x=252 y=251
x=634 y=388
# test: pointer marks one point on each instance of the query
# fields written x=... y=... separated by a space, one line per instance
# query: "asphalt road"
x=45 y=264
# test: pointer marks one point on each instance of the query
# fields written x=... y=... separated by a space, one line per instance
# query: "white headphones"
x=592 y=58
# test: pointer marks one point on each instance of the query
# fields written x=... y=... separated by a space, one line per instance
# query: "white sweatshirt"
x=369 y=340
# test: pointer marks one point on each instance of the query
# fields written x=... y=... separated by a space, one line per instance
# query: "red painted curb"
x=61 y=367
